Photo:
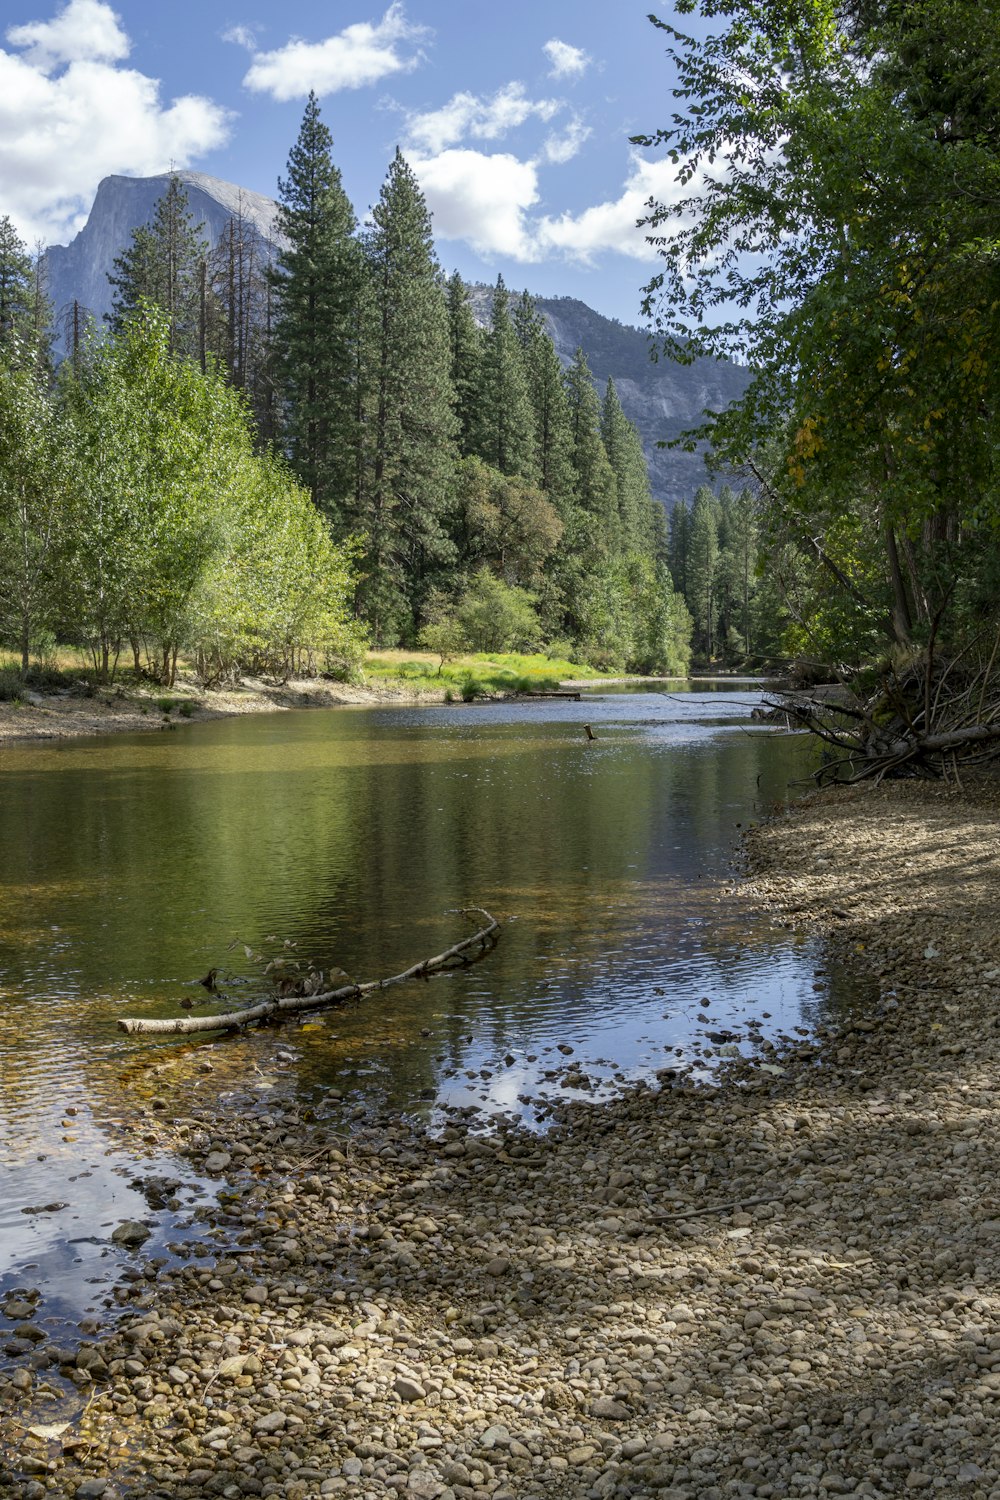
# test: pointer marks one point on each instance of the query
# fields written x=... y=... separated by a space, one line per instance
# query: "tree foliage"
x=839 y=235
x=165 y=263
x=450 y=469
x=135 y=511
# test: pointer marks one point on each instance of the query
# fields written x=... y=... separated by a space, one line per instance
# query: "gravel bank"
x=783 y=1286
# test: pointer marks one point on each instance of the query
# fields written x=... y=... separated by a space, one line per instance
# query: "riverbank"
x=782 y=1286
x=69 y=715
x=390 y=677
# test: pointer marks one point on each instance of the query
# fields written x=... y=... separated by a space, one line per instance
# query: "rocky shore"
x=784 y=1285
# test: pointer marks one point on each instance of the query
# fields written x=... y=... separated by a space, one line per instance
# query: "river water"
x=131 y=865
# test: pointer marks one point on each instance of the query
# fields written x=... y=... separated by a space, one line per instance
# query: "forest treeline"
x=276 y=453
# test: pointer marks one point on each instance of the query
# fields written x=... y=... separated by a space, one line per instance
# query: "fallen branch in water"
x=235 y=1020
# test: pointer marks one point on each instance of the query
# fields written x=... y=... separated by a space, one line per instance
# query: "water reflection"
x=128 y=865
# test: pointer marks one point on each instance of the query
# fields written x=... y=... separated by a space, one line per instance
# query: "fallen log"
x=484 y=939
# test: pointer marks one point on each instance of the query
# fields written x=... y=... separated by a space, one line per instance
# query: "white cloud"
x=83 y=31
x=359 y=55
x=485 y=119
x=70 y=116
x=567 y=61
x=488 y=201
x=561 y=147
x=241 y=36
x=612 y=225
x=481 y=199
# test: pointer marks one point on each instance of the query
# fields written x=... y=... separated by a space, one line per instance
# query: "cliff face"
x=79 y=271
x=660 y=397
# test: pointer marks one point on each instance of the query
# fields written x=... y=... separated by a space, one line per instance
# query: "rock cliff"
x=79 y=271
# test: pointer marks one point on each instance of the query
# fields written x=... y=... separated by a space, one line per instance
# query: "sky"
x=516 y=118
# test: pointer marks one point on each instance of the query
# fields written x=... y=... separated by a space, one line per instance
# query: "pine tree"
x=240 y=313
x=737 y=588
x=703 y=558
x=316 y=282
x=680 y=541
x=595 y=489
x=409 y=447
x=465 y=342
x=550 y=407
x=165 y=264
x=623 y=446
x=505 y=428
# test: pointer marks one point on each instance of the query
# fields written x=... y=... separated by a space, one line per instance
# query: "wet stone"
x=130 y=1232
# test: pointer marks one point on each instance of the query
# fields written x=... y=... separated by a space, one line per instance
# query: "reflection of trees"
x=354 y=834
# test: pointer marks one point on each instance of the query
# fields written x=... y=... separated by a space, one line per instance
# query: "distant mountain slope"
x=662 y=398
x=79 y=271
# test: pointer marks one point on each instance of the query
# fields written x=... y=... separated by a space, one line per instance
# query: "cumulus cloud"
x=487 y=119
x=359 y=55
x=491 y=202
x=612 y=225
x=567 y=61
x=70 y=115
x=84 y=31
x=481 y=199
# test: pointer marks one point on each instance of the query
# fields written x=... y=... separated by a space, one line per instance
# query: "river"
x=132 y=865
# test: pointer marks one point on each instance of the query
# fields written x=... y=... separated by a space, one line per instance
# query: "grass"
x=476 y=674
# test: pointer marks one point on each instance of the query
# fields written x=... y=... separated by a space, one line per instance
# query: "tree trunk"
x=901 y=618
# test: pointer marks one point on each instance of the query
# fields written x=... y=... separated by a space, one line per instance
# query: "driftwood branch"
x=927 y=718
x=459 y=953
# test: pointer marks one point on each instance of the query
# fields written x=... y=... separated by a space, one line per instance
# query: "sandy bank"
x=783 y=1286
x=114 y=711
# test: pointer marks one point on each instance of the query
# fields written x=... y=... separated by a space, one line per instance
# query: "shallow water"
x=129 y=865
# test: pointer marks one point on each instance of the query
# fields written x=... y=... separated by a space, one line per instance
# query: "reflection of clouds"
x=626 y=1031
x=91 y=1179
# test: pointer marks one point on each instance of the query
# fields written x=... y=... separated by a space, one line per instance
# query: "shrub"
x=496 y=616
x=560 y=650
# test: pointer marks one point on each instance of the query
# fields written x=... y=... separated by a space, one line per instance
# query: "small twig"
x=323 y=1151
x=714 y=1208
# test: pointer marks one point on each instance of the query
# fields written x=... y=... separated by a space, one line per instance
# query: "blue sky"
x=516 y=118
